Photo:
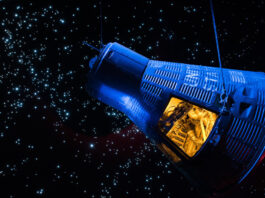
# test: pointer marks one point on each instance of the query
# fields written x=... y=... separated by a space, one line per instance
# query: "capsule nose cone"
x=92 y=63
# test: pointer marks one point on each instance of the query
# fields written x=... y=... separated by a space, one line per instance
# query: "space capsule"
x=215 y=140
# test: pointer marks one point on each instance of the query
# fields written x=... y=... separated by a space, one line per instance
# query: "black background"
x=57 y=141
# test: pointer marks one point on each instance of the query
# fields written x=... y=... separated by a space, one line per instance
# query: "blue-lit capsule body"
x=141 y=88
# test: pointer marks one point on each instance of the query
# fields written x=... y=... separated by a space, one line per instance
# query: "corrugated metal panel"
x=200 y=94
x=242 y=140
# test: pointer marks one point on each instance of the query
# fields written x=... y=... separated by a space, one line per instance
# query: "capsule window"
x=186 y=125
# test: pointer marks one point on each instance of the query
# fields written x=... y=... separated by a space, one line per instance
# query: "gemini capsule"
x=215 y=140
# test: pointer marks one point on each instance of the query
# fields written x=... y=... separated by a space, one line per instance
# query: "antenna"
x=91 y=46
x=223 y=96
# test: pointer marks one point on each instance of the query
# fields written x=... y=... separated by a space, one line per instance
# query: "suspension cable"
x=223 y=95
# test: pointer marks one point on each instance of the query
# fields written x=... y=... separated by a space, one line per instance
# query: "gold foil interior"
x=186 y=125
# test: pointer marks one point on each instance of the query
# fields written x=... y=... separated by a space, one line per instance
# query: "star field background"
x=55 y=140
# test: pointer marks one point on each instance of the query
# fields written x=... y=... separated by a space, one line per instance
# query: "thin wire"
x=91 y=46
x=101 y=24
x=215 y=32
x=217 y=47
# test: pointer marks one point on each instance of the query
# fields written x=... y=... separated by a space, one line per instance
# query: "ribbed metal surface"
x=158 y=77
x=242 y=140
x=161 y=81
x=237 y=77
x=172 y=67
x=151 y=92
x=260 y=114
x=260 y=110
x=261 y=97
x=200 y=94
x=167 y=74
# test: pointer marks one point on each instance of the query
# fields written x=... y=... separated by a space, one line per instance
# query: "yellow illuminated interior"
x=186 y=125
